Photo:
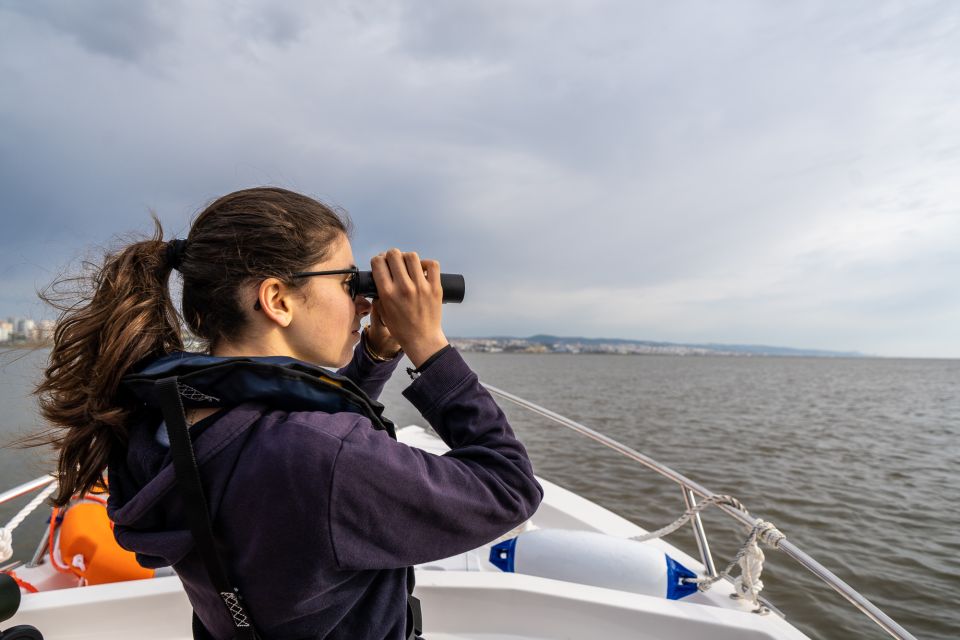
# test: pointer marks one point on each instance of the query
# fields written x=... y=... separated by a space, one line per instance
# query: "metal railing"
x=21 y=490
x=25 y=488
x=691 y=490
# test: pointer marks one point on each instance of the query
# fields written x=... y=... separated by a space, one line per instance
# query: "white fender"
x=596 y=559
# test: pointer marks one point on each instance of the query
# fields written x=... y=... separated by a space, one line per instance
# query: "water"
x=855 y=460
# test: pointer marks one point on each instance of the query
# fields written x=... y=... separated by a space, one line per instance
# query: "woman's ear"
x=275 y=300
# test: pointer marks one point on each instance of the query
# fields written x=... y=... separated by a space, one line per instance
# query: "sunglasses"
x=353 y=282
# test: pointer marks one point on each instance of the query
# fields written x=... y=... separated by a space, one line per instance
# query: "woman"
x=317 y=514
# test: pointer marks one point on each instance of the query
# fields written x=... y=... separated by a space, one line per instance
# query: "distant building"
x=15 y=330
x=26 y=327
x=45 y=329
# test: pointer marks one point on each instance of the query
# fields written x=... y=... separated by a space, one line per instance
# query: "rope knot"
x=6 y=544
x=768 y=534
x=749 y=557
x=733 y=502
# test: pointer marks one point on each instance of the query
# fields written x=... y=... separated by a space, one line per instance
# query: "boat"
x=471 y=596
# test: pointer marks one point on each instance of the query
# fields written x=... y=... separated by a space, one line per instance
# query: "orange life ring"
x=87 y=531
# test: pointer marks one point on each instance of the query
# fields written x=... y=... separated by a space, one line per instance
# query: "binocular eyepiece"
x=452 y=284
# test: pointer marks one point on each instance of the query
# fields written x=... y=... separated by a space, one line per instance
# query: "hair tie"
x=175 y=250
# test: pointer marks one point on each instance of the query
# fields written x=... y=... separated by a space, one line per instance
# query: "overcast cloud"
x=749 y=172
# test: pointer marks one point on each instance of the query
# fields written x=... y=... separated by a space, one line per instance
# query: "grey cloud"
x=127 y=31
x=533 y=147
x=487 y=30
x=280 y=24
x=903 y=29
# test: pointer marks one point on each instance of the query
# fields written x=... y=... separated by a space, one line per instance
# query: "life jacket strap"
x=414 y=618
x=195 y=506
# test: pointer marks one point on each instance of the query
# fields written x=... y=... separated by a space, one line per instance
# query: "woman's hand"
x=379 y=339
x=410 y=302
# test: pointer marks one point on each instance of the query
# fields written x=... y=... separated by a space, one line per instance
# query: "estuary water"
x=857 y=461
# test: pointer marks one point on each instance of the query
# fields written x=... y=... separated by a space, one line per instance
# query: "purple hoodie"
x=319 y=515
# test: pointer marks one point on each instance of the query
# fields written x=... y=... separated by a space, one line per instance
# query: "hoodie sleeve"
x=392 y=505
x=372 y=376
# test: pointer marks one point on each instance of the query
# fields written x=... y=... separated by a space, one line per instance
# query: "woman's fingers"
x=432 y=267
x=409 y=302
x=381 y=273
x=394 y=270
x=398 y=270
x=415 y=269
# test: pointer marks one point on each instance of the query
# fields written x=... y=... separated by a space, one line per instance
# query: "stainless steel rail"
x=25 y=488
x=690 y=489
x=690 y=501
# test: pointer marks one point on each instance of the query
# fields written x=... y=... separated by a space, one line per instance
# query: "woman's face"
x=326 y=327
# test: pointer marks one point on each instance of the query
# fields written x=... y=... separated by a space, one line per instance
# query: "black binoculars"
x=362 y=284
x=453 y=286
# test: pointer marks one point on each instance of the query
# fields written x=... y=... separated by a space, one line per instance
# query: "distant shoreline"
x=598 y=346
x=619 y=346
x=691 y=355
x=26 y=344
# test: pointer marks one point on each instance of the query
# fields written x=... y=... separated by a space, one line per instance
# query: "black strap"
x=198 y=517
x=415 y=373
x=414 y=618
x=195 y=505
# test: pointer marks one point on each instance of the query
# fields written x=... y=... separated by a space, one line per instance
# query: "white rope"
x=6 y=533
x=748 y=584
x=730 y=501
x=749 y=557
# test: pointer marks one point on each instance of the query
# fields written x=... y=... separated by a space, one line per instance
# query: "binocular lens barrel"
x=453 y=286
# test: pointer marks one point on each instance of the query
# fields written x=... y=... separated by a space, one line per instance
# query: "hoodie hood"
x=144 y=503
x=212 y=381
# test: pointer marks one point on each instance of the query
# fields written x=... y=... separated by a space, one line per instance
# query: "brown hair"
x=120 y=313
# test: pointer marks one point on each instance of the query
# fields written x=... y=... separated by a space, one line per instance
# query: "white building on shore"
x=25 y=330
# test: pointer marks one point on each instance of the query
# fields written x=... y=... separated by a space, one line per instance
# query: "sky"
x=730 y=172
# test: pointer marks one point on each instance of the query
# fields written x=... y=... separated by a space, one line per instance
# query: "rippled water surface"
x=857 y=462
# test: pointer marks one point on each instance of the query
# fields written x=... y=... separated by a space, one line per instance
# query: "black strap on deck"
x=195 y=505
x=414 y=618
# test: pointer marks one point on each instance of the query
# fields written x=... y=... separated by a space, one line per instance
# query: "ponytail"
x=110 y=319
x=121 y=313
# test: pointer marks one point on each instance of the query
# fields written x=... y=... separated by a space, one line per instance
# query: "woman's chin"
x=348 y=349
x=347 y=356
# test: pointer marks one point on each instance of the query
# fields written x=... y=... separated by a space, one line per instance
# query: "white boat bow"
x=465 y=597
